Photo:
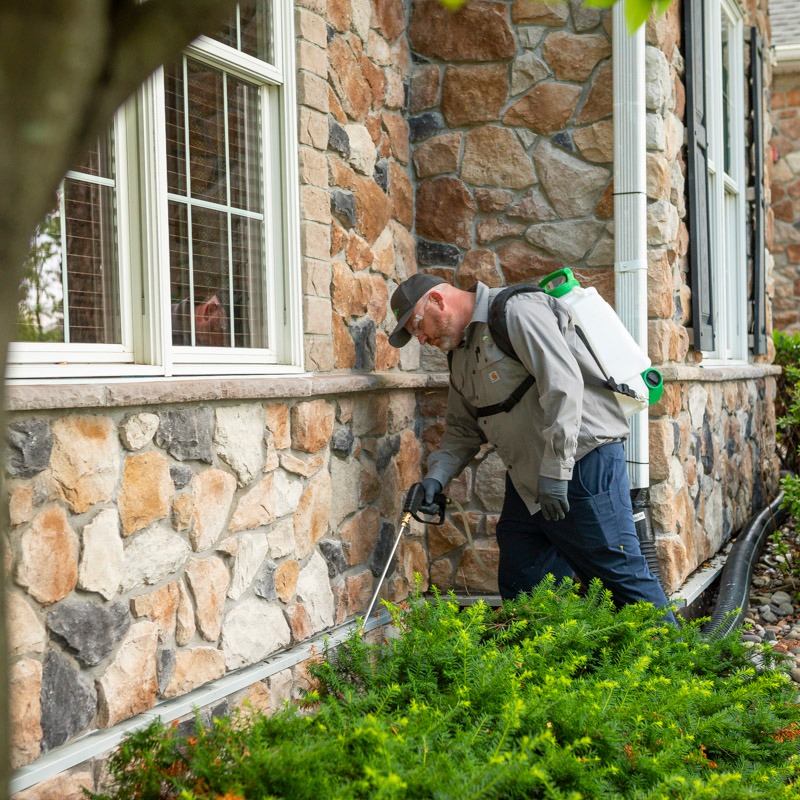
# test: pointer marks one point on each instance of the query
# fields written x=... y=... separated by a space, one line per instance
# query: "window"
x=717 y=178
x=173 y=249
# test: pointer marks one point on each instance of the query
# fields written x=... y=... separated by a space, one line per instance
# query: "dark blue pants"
x=597 y=539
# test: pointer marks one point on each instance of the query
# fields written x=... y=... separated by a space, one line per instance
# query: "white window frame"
x=727 y=191
x=142 y=236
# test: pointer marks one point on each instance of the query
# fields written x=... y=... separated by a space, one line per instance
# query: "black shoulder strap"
x=497 y=316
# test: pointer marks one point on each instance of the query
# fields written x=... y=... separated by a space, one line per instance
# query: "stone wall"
x=785 y=142
x=154 y=542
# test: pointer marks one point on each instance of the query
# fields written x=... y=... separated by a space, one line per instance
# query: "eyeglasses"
x=417 y=321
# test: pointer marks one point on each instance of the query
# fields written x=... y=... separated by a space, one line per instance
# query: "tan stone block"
x=373 y=209
x=405 y=251
x=312 y=129
x=472 y=575
x=256 y=508
x=312 y=425
x=348 y=80
x=48 y=559
x=493 y=156
x=408 y=459
x=300 y=622
x=480 y=31
x=520 y=262
x=315 y=204
x=659 y=285
x=360 y=588
x=146 y=491
x=444 y=538
x=277 y=416
x=492 y=201
x=340 y=14
x=605 y=205
x=414 y=563
x=302 y=466
x=318 y=353
x=85 y=460
x=313 y=512
x=474 y=93
x=359 y=535
x=64 y=786
x=358 y=253
x=386 y=356
x=20 y=503
x=388 y=16
x=377 y=81
x=193 y=668
x=183 y=512
x=312 y=91
x=546 y=108
x=401 y=194
x=120 y=697
x=445 y=211
x=25 y=686
x=675 y=564
x=212 y=495
x=679 y=342
x=312 y=58
x=317 y=315
x=208 y=580
x=540 y=13
x=340 y=174
x=438 y=155
x=596 y=142
x=658 y=177
x=671 y=402
x=313 y=167
x=573 y=58
x=599 y=102
x=185 y=625
x=662 y=448
x=378 y=49
x=26 y=634
x=315 y=240
x=286 y=579
x=424 y=92
x=311 y=27
x=479 y=265
x=160 y=607
x=441 y=575
x=344 y=348
x=658 y=341
x=662 y=506
x=494 y=228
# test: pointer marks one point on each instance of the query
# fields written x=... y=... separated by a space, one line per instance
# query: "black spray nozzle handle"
x=432 y=513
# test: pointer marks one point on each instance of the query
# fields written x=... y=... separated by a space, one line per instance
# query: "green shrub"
x=787 y=399
x=554 y=696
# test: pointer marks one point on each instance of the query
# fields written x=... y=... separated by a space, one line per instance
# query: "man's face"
x=432 y=323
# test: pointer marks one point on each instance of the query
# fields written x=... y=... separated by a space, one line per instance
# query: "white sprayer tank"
x=617 y=351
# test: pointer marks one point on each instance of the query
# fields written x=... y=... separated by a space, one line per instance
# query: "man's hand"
x=553 y=498
x=425 y=492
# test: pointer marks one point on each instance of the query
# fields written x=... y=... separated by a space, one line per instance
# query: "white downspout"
x=630 y=213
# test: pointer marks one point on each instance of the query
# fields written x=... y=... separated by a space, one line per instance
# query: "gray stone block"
x=186 y=433
x=30 y=443
x=89 y=630
x=68 y=704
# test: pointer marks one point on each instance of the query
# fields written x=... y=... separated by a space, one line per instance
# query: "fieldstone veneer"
x=166 y=556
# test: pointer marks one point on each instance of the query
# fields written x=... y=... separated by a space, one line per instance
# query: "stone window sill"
x=161 y=391
x=718 y=374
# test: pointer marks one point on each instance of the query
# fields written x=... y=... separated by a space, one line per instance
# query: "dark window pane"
x=255 y=31
x=176 y=131
x=206 y=132
x=244 y=145
x=179 y=269
x=249 y=290
x=92 y=285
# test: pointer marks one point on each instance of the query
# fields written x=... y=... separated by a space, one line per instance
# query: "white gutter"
x=630 y=213
x=100 y=742
x=786 y=58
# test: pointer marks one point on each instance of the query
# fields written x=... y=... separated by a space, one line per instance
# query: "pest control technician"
x=567 y=503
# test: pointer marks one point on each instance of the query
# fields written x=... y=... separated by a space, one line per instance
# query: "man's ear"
x=438 y=298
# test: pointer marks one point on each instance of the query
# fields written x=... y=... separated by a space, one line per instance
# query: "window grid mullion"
x=62 y=210
x=228 y=191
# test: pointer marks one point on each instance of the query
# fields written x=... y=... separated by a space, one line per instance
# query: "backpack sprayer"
x=636 y=384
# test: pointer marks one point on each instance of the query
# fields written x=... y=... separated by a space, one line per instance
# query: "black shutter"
x=697 y=169
x=759 y=211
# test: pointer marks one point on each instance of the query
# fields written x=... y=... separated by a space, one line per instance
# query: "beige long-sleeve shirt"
x=556 y=422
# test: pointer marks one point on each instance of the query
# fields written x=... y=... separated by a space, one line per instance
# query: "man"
x=567 y=503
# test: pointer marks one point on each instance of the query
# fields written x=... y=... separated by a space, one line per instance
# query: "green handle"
x=655 y=384
x=566 y=282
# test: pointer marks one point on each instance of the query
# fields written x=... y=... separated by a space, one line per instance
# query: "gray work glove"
x=553 y=497
x=425 y=491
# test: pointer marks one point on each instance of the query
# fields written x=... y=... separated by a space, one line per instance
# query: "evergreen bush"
x=555 y=696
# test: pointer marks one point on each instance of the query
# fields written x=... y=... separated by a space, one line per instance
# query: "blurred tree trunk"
x=65 y=68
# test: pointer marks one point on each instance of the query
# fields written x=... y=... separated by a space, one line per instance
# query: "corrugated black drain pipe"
x=734 y=583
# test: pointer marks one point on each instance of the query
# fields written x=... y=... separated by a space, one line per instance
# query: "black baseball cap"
x=405 y=297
